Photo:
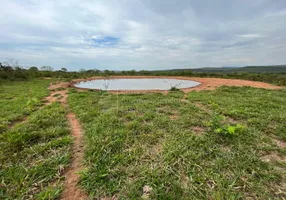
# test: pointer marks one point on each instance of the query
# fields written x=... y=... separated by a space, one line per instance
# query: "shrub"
x=174 y=88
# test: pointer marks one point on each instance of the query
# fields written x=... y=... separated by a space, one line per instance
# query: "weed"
x=219 y=127
x=56 y=95
x=60 y=89
x=174 y=88
x=50 y=193
x=32 y=103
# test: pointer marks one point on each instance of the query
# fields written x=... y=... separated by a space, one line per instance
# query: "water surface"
x=137 y=84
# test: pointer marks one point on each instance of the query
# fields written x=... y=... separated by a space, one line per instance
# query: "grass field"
x=34 y=151
x=221 y=144
x=33 y=155
x=18 y=99
x=228 y=143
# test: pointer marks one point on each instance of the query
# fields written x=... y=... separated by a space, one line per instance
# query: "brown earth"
x=71 y=190
x=206 y=83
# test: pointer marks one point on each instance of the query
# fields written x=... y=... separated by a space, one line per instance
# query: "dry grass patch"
x=273 y=157
x=198 y=130
x=279 y=143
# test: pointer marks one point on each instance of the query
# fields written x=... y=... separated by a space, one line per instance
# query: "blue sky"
x=143 y=34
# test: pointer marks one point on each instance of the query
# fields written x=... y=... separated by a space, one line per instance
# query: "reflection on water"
x=137 y=84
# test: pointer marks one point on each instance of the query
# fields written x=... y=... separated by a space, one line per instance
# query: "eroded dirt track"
x=71 y=190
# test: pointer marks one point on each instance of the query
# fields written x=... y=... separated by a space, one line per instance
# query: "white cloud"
x=143 y=34
x=250 y=36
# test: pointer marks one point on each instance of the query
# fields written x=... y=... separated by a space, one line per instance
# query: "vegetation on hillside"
x=274 y=76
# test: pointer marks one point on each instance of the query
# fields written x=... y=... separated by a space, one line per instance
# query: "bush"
x=174 y=88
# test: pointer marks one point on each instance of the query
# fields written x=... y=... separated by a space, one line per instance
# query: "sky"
x=143 y=34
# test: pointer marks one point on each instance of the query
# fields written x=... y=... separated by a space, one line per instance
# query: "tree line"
x=15 y=72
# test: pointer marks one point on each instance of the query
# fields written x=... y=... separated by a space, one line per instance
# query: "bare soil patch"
x=272 y=157
x=202 y=107
x=60 y=95
x=278 y=142
x=206 y=83
x=18 y=121
x=71 y=191
x=198 y=130
x=173 y=117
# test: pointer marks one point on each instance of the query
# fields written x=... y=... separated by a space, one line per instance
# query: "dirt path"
x=71 y=190
x=206 y=83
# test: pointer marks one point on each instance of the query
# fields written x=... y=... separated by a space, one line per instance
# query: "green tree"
x=64 y=69
x=82 y=70
x=33 y=69
x=47 y=68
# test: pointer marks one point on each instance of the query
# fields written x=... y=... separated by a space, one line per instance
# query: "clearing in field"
x=227 y=143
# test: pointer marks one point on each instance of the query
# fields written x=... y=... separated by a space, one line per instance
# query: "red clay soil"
x=206 y=83
x=71 y=190
x=60 y=95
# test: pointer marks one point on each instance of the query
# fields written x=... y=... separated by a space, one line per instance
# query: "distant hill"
x=254 y=69
x=263 y=69
x=232 y=67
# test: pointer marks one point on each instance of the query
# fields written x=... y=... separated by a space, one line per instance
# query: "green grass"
x=206 y=145
x=174 y=147
x=33 y=155
x=20 y=98
x=265 y=110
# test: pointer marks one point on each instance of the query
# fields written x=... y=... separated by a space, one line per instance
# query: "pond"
x=137 y=84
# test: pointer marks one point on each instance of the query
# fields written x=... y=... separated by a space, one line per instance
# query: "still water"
x=136 y=84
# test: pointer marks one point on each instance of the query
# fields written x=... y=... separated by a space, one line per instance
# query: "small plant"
x=230 y=130
x=32 y=103
x=106 y=85
x=60 y=89
x=3 y=127
x=224 y=129
x=174 y=88
x=72 y=90
x=56 y=95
